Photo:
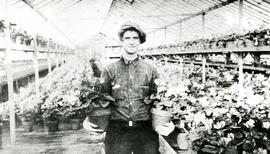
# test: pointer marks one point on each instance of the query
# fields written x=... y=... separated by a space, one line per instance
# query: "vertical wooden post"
x=155 y=61
x=9 y=73
x=228 y=59
x=56 y=56
x=35 y=62
x=203 y=67
x=257 y=59
x=49 y=64
x=181 y=67
x=240 y=14
x=203 y=23
x=1 y=94
x=203 y=55
x=241 y=74
x=213 y=57
x=28 y=80
x=166 y=61
x=203 y=30
x=63 y=55
x=17 y=85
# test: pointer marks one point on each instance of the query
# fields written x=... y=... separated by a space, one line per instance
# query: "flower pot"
x=38 y=124
x=182 y=141
x=64 y=124
x=100 y=117
x=27 y=125
x=97 y=138
x=51 y=125
x=160 y=117
x=75 y=124
x=249 y=43
x=230 y=44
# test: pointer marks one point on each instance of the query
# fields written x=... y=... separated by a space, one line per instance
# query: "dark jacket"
x=129 y=82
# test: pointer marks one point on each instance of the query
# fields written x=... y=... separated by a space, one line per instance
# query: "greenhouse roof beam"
x=201 y=12
x=49 y=4
x=58 y=6
x=27 y=2
x=254 y=13
x=69 y=6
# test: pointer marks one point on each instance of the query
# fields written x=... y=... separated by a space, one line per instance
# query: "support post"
x=203 y=23
x=49 y=64
x=9 y=73
x=240 y=14
x=35 y=62
x=166 y=61
x=181 y=67
x=241 y=74
x=257 y=59
x=203 y=68
x=228 y=59
x=17 y=85
x=56 y=56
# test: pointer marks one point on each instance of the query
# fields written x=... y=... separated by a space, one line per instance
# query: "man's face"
x=131 y=42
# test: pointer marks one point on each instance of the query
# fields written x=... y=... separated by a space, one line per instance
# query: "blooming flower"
x=266 y=125
x=250 y=123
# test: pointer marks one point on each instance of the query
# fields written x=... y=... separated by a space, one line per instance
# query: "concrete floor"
x=62 y=142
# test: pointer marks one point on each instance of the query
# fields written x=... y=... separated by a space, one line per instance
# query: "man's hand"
x=92 y=128
x=165 y=129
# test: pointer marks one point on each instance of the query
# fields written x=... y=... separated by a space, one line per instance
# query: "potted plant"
x=170 y=93
x=50 y=118
x=96 y=103
x=50 y=112
x=71 y=112
x=26 y=111
x=26 y=106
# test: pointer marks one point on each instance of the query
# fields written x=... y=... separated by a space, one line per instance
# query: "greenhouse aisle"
x=68 y=142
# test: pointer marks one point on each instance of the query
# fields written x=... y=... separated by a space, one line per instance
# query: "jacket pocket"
x=117 y=92
x=144 y=91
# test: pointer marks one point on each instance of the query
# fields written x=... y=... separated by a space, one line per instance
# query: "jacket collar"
x=130 y=62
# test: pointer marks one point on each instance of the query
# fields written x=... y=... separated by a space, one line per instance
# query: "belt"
x=131 y=124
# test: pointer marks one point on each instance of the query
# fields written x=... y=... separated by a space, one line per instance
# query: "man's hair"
x=121 y=34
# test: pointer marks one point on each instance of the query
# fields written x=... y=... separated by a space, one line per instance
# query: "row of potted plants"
x=22 y=37
x=255 y=38
x=65 y=99
x=213 y=115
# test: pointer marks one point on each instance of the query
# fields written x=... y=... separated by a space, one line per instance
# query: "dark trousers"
x=121 y=139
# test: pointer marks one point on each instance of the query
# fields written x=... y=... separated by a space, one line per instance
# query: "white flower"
x=266 y=125
x=204 y=101
x=250 y=123
x=208 y=123
x=219 y=125
x=116 y=86
x=254 y=100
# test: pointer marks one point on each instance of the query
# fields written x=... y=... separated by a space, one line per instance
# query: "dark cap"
x=131 y=26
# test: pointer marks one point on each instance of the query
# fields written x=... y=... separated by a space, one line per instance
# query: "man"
x=130 y=81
